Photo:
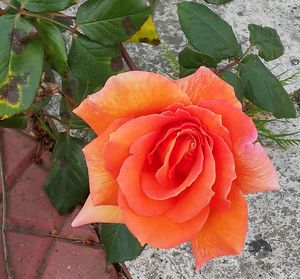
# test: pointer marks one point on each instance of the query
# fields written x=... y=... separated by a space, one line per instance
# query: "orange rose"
x=172 y=161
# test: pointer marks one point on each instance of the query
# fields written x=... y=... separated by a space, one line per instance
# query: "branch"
x=237 y=61
x=60 y=15
x=72 y=30
x=128 y=59
x=4 y=212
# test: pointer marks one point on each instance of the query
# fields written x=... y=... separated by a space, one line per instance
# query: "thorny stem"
x=234 y=63
x=128 y=59
x=4 y=212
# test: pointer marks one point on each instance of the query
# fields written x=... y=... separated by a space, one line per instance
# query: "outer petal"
x=103 y=186
x=160 y=231
x=101 y=213
x=205 y=85
x=223 y=233
x=255 y=171
x=129 y=94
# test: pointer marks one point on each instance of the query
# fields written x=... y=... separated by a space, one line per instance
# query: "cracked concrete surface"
x=272 y=247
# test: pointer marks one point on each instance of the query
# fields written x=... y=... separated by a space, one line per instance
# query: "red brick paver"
x=32 y=253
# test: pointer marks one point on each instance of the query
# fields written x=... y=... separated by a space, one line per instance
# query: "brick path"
x=33 y=254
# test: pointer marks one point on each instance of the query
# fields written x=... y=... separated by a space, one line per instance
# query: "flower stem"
x=61 y=15
x=237 y=61
x=128 y=59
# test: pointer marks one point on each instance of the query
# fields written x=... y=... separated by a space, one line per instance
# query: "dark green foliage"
x=267 y=41
x=92 y=62
x=263 y=89
x=190 y=60
x=236 y=82
x=111 y=21
x=207 y=32
x=67 y=182
x=120 y=245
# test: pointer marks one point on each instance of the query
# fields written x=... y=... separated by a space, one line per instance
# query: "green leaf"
x=111 y=21
x=46 y=5
x=217 y=2
x=120 y=245
x=54 y=45
x=236 y=82
x=67 y=182
x=17 y=122
x=11 y=11
x=263 y=89
x=190 y=60
x=207 y=32
x=92 y=62
x=78 y=91
x=21 y=63
x=267 y=41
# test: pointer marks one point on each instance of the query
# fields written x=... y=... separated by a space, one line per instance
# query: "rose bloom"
x=173 y=160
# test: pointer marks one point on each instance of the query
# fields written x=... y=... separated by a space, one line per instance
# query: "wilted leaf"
x=111 y=21
x=92 y=62
x=120 y=245
x=207 y=32
x=54 y=44
x=263 y=89
x=190 y=60
x=267 y=41
x=147 y=34
x=21 y=62
x=67 y=181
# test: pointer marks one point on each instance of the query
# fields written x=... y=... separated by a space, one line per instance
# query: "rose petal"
x=153 y=189
x=160 y=231
x=212 y=122
x=223 y=233
x=97 y=214
x=225 y=169
x=205 y=85
x=103 y=186
x=123 y=137
x=255 y=171
x=129 y=179
x=129 y=94
x=194 y=199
